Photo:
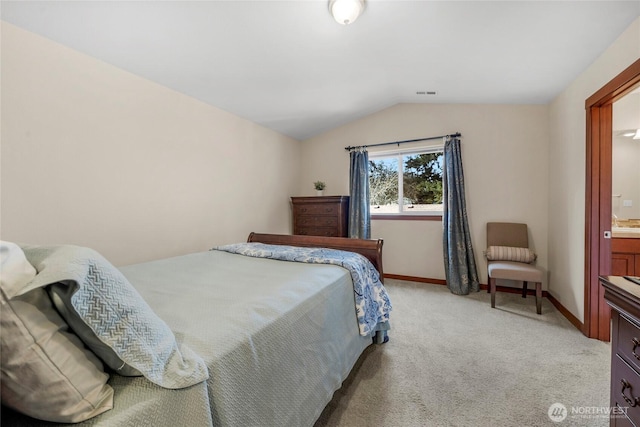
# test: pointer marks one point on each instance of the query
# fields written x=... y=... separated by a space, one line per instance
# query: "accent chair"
x=509 y=258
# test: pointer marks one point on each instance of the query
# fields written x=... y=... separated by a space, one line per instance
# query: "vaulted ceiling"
x=289 y=66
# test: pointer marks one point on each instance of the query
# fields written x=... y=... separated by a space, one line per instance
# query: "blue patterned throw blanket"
x=371 y=299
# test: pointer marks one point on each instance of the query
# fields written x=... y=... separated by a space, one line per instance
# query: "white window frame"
x=399 y=154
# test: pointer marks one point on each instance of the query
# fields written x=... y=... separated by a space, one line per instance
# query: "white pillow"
x=15 y=270
x=46 y=371
x=112 y=312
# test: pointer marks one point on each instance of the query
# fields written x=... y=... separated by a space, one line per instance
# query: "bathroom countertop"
x=626 y=228
x=625 y=234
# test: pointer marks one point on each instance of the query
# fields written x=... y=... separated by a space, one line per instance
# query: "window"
x=406 y=183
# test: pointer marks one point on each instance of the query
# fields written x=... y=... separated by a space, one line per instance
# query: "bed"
x=277 y=338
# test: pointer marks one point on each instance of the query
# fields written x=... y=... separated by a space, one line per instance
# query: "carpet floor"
x=453 y=361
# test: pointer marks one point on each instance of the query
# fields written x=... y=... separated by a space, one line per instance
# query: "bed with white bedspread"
x=277 y=338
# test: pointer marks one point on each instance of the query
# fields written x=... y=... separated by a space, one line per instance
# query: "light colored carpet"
x=454 y=361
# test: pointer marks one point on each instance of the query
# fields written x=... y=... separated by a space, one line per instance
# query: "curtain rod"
x=453 y=135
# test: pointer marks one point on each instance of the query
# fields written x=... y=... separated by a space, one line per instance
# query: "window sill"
x=402 y=217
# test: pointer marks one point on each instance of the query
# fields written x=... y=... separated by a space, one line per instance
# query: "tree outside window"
x=406 y=183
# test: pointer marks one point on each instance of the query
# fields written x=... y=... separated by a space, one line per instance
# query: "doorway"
x=599 y=195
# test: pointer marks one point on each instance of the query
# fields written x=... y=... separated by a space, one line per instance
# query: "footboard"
x=370 y=249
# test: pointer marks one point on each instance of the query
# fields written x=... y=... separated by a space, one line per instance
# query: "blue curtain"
x=459 y=260
x=359 y=214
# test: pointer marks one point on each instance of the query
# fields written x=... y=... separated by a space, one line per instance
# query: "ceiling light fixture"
x=346 y=12
x=629 y=133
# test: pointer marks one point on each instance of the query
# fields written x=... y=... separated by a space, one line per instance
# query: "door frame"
x=599 y=109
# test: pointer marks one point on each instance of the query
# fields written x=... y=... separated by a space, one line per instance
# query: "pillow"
x=15 y=270
x=508 y=253
x=103 y=306
x=61 y=296
x=46 y=371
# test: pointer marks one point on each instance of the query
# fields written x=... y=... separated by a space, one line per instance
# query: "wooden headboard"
x=371 y=249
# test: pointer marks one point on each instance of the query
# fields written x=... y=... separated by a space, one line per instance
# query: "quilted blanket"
x=278 y=339
x=371 y=299
x=116 y=313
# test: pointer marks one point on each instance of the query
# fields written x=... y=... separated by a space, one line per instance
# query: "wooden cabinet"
x=625 y=256
x=624 y=298
x=321 y=216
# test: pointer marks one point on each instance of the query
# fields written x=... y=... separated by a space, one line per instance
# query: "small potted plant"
x=319 y=186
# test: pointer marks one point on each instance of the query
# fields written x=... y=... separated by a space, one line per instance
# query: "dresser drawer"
x=621 y=420
x=318 y=231
x=628 y=341
x=318 y=209
x=317 y=221
x=625 y=382
x=624 y=299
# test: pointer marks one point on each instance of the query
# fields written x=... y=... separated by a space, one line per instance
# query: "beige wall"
x=567 y=169
x=505 y=159
x=95 y=156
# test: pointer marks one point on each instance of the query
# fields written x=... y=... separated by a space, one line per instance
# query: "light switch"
x=627 y=203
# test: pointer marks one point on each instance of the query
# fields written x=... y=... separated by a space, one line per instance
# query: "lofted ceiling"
x=289 y=66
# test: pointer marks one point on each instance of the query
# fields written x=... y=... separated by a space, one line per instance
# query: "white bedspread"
x=372 y=303
x=278 y=339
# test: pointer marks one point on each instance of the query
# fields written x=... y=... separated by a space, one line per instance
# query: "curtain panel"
x=359 y=212
x=459 y=259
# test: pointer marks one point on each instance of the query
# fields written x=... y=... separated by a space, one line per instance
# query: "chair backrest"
x=507 y=234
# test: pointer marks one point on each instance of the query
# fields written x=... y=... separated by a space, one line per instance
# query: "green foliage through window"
x=421 y=184
x=423 y=178
x=383 y=181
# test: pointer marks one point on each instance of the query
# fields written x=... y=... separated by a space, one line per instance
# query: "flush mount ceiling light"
x=346 y=12
x=630 y=133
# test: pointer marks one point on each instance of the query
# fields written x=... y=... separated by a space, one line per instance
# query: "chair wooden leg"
x=539 y=298
x=489 y=284
x=524 y=289
x=492 y=289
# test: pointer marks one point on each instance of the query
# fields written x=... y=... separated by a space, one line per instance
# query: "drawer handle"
x=636 y=343
x=633 y=401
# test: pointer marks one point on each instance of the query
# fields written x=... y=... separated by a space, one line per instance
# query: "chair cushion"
x=514 y=271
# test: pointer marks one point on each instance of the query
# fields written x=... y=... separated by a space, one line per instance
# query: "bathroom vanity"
x=625 y=249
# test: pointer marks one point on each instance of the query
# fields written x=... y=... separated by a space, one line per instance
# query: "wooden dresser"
x=624 y=298
x=321 y=216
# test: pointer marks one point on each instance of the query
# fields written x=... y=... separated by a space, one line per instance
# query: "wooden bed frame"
x=371 y=249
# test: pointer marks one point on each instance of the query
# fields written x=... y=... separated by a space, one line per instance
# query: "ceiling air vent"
x=426 y=92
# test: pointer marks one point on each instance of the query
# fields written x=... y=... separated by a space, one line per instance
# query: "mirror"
x=625 y=206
